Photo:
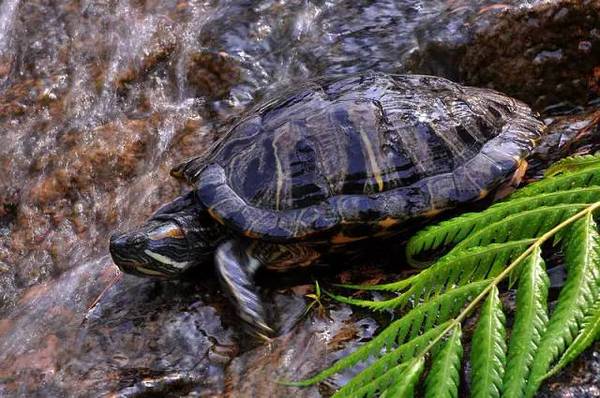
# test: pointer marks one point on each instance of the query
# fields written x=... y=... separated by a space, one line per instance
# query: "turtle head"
x=178 y=236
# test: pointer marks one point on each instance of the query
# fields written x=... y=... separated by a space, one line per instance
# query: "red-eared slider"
x=325 y=165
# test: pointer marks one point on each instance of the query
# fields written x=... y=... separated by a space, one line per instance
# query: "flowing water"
x=98 y=100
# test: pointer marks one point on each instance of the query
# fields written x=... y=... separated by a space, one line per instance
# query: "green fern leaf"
x=382 y=373
x=404 y=386
x=456 y=269
x=528 y=224
x=459 y=228
x=573 y=163
x=370 y=304
x=589 y=333
x=444 y=377
x=582 y=255
x=582 y=178
x=388 y=287
x=489 y=247
x=489 y=348
x=530 y=320
x=377 y=386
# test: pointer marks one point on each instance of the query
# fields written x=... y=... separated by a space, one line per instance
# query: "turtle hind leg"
x=236 y=267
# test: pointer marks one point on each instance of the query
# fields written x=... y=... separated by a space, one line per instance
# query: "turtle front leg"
x=238 y=260
x=236 y=266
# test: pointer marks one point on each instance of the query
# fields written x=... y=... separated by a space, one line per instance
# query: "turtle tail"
x=188 y=171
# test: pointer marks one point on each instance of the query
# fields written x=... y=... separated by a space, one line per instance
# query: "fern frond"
x=423 y=317
x=488 y=353
x=489 y=247
x=404 y=386
x=530 y=320
x=590 y=332
x=379 y=375
x=444 y=377
x=528 y=224
x=459 y=228
x=573 y=163
x=582 y=255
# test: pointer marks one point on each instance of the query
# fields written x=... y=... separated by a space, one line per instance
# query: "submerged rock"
x=543 y=52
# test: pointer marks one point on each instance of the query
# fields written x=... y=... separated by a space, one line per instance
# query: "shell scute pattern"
x=370 y=149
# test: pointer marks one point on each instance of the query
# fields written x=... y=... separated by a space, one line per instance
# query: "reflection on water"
x=98 y=101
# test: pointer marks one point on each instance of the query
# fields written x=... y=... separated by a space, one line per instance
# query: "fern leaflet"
x=489 y=349
x=459 y=228
x=573 y=163
x=590 y=332
x=577 y=179
x=404 y=386
x=443 y=378
x=530 y=320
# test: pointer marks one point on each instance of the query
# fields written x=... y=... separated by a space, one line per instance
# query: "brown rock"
x=543 y=53
x=212 y=74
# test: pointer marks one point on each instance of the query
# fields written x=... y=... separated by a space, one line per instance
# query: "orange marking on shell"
x=509 y=186
x=341 y=239
x=519 y=173
x=215 y=216
x=386 y=233
x=250 y=234
x=387 y=222
x=432 y=212
x=483 y=193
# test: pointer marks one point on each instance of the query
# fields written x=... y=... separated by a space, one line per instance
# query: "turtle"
x=325 y=165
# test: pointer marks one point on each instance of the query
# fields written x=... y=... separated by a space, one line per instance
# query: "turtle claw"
x=236 y=268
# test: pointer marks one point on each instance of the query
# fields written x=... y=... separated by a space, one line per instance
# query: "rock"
x=567 y=135
x=543 y=53
x=212 y=74
x=580 y=379
x=161 y=44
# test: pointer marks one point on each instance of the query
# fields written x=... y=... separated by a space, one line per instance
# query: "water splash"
x=7 y=17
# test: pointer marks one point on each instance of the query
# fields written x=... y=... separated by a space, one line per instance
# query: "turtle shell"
x=348 y=159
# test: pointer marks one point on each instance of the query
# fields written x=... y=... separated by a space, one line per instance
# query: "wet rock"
x=138 y=332
x=161 y=44
x=543 y=53
x=293 y=356
x=566 y=135
x=212 y=74
x=580 y=379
